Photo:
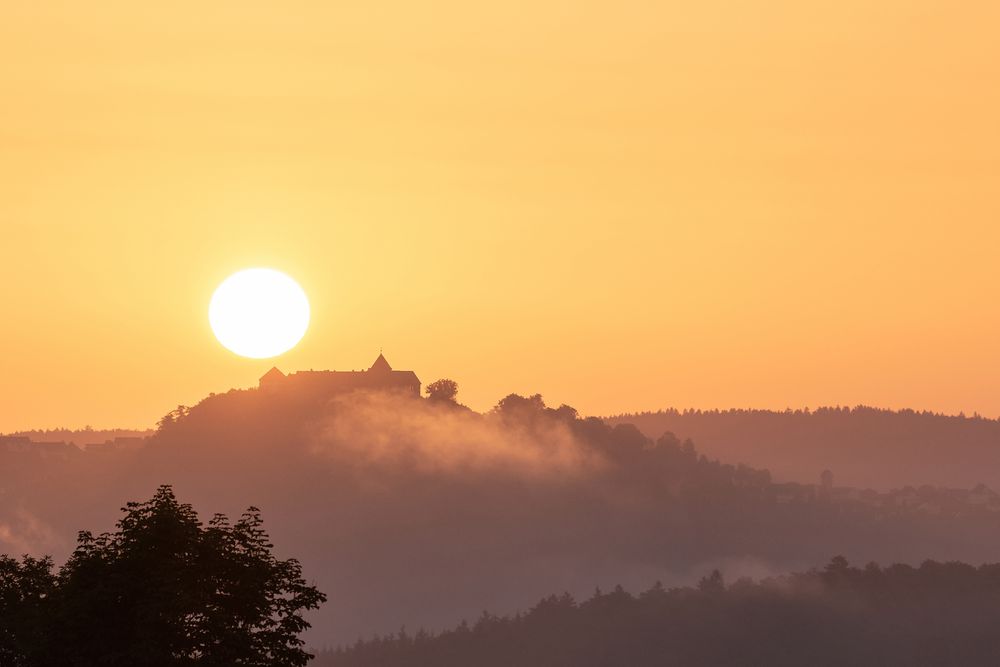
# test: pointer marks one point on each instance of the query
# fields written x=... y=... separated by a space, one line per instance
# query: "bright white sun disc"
x=259 y=313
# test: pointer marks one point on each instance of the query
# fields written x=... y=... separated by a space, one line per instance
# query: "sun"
x=259 y=313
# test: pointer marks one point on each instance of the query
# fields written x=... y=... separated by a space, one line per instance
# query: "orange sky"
x=621 y=205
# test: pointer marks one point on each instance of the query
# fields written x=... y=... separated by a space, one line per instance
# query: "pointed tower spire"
x=380 y=365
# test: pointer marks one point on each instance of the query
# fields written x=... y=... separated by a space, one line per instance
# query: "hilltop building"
x=380 y=377
x=15 y=443
x=119 y=444
x=22 y=444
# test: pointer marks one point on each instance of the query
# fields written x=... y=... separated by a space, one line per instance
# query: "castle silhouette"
x=380 y=377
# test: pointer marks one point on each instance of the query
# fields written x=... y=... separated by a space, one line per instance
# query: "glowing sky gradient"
x=621 y=205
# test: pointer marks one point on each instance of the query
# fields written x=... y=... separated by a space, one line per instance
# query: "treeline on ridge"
x=934 y=614
x=863 y=446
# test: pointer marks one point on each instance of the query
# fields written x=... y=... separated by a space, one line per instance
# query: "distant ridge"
x=863 y=446
x=80 y=437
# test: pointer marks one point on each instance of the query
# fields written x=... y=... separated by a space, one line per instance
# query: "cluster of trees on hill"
x=936 y=614
x=162 y=590
x=863 y=446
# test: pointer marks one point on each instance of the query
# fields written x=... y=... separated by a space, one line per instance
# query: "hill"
x=412 y=510
x=862 y=446
x=936 y=614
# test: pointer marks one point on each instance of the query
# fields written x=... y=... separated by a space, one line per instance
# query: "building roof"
x=380 y=364
x=379 y=375
x=272 y=374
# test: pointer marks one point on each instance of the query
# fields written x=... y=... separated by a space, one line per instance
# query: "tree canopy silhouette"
x=935 y=614
x=162 y=590
x=442 y=390
x=24 y=587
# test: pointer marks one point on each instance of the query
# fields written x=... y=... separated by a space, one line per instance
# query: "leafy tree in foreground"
x=25 y=587
x=162 y=590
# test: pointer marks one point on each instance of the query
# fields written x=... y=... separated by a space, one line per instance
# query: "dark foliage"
x=25 y=589
x=937 y=614
x=162 y=590
x=442 y=390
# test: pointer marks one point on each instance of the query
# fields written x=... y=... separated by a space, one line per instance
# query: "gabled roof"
x=380 y=365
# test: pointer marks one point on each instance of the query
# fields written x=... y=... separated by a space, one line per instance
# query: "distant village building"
x=119 y=444
x=791 y=493
x=15 y=443
x=825 y=489
x=24 y=445
x=380 y=377
x=55 y=448
x=981 y=495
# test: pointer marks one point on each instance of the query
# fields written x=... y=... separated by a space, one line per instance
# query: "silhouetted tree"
x=172 y=417
x=163 y=590
x=442 y=390
x=713 y=583
x=25 y=588
x=517 y=406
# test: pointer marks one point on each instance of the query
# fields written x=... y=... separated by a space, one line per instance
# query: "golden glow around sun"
x=259 y=313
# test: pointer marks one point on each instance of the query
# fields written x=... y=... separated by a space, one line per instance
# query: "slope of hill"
x=937 y=614
x=862 y=446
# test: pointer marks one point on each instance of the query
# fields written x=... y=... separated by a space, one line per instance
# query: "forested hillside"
x=862 y=446
x=936 y=614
